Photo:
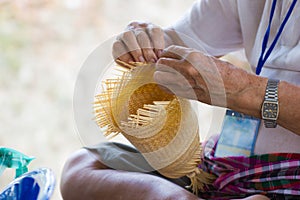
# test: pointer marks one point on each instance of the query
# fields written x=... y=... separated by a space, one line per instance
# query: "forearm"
x=112 y=184
x=289 y=106
x=251 y=94
x=133 y=186
x=246 y=93
x=83 y=178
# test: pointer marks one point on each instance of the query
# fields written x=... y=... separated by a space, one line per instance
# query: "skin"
x=85 y=177
x=136 y=40
x=190 y=74
x=206 y=76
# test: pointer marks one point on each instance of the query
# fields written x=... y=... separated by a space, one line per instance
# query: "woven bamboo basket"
x=162 y=126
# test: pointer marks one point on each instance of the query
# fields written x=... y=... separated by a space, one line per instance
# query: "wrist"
x=250 y=97
x=270 y=106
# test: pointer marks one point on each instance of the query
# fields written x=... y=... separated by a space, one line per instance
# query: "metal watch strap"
x=270 y=123
x=271 y=95
x=272 y=90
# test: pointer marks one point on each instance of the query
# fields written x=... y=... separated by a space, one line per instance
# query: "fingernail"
x=141 y=59
x=152 y=60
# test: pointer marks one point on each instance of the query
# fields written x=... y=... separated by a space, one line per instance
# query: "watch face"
x=270 y=110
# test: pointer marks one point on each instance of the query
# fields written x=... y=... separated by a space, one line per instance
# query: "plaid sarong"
x=274 y=175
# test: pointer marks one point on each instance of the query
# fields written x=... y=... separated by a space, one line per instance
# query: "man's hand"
x=141 y=42
x=194 y=75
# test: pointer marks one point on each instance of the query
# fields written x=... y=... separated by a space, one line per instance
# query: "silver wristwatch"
x=270 y=106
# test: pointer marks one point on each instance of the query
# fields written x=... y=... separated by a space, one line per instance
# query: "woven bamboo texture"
x=162 y=126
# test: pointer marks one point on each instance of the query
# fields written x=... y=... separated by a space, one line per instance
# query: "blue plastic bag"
x=38 y=184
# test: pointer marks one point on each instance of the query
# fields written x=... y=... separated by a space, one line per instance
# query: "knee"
x=76 y=168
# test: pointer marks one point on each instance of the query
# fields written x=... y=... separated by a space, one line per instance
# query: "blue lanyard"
x=264 y=56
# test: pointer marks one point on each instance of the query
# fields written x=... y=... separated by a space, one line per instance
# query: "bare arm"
x=193 y=75
x=289 y=102
x=84 y=177
x=249 y=99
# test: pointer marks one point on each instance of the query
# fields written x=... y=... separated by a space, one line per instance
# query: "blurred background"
x=42 y=46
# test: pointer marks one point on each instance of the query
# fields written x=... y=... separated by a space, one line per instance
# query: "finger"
x=157 y=37
x=180 y=86
x=178 y=67
x=130 y=41
x=175 y=51
x=145 y=44
x=184 y=89
x=121 y=52
x=176 y=81
x=137 y=24
x=170 y=54
x=186 y=92
x=172 y=81
x=167 y=65
x=174 y=65
x=181 y=66
x=165 y=78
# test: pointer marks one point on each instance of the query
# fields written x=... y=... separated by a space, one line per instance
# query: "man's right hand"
x=141 y=42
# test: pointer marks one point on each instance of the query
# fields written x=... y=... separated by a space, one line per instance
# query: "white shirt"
x=220 y=27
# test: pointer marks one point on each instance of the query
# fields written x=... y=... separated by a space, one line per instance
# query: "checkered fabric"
x=274 y=175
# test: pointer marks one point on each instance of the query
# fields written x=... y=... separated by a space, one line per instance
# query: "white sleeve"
x=212 y=26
